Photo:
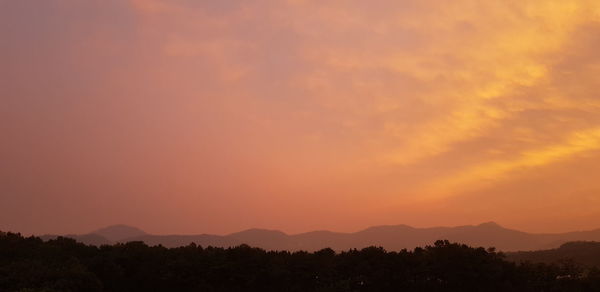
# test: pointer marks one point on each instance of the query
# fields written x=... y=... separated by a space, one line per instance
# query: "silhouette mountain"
x=119 y=232
x=268 y=239
x=106 y=235
x=390 y=237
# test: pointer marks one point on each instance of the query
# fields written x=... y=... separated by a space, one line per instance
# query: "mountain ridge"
x=390 y=237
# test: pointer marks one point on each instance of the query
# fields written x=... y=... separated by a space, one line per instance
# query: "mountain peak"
x=119 y=232
x=490 y=224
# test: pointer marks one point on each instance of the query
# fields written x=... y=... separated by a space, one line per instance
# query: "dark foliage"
x=586 y=253
x=30 y=264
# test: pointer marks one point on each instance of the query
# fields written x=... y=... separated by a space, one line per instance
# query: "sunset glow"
x=183 y=116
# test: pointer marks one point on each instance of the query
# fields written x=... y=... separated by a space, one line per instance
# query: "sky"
x=189 y=116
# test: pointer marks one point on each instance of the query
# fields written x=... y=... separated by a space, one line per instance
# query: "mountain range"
x=390 y=237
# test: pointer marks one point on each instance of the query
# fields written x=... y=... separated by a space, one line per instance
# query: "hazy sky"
x=190 y=116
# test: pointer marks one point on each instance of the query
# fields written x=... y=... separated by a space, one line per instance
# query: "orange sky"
x=184 y=116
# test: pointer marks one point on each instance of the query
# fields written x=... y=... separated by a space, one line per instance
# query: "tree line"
x=62 y=264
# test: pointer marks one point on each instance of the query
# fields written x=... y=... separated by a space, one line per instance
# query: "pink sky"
x=216 y=116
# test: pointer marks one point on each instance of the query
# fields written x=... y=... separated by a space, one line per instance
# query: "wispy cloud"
x=363 y=104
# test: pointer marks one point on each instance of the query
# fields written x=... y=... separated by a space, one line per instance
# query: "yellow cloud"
x=508 y=54
x=469 y=56
x=491 y=172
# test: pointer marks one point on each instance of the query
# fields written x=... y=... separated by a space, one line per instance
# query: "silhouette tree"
x=62 y=264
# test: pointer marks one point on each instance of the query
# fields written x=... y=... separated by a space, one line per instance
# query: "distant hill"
x=392 y=237
x=582 y=252
x=107 y=235
x=119 y=232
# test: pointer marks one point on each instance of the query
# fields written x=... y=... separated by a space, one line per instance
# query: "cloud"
x=491 y=172
x=345 y=102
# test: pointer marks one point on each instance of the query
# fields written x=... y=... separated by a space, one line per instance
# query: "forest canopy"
x=62 y=264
